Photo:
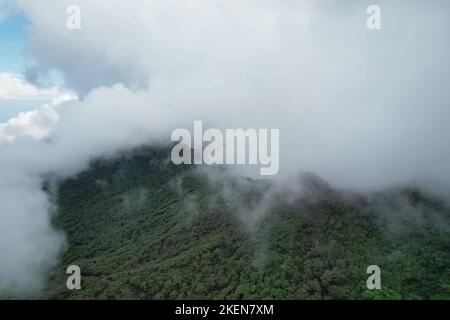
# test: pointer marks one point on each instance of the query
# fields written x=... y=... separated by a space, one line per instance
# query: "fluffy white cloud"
x=36 y=123
x=14 y=87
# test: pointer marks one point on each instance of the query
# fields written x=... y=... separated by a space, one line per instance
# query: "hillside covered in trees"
x=140 y=227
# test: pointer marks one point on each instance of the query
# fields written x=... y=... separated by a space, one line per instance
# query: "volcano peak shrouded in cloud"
x=361 y=108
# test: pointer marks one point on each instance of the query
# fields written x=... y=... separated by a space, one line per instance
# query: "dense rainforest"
x=140 y=227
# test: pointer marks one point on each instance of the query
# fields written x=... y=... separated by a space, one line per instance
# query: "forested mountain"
x=140 y=227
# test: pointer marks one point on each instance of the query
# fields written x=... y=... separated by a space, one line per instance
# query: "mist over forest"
x=90 y=95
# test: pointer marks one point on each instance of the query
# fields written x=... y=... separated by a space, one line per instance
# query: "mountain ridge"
x=140 y=227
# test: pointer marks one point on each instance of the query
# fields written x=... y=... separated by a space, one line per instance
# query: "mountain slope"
x=140 y=227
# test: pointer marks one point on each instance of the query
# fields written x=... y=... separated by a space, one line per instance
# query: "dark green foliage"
x=141 y=228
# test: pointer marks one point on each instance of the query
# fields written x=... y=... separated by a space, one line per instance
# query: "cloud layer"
x=358 y=106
